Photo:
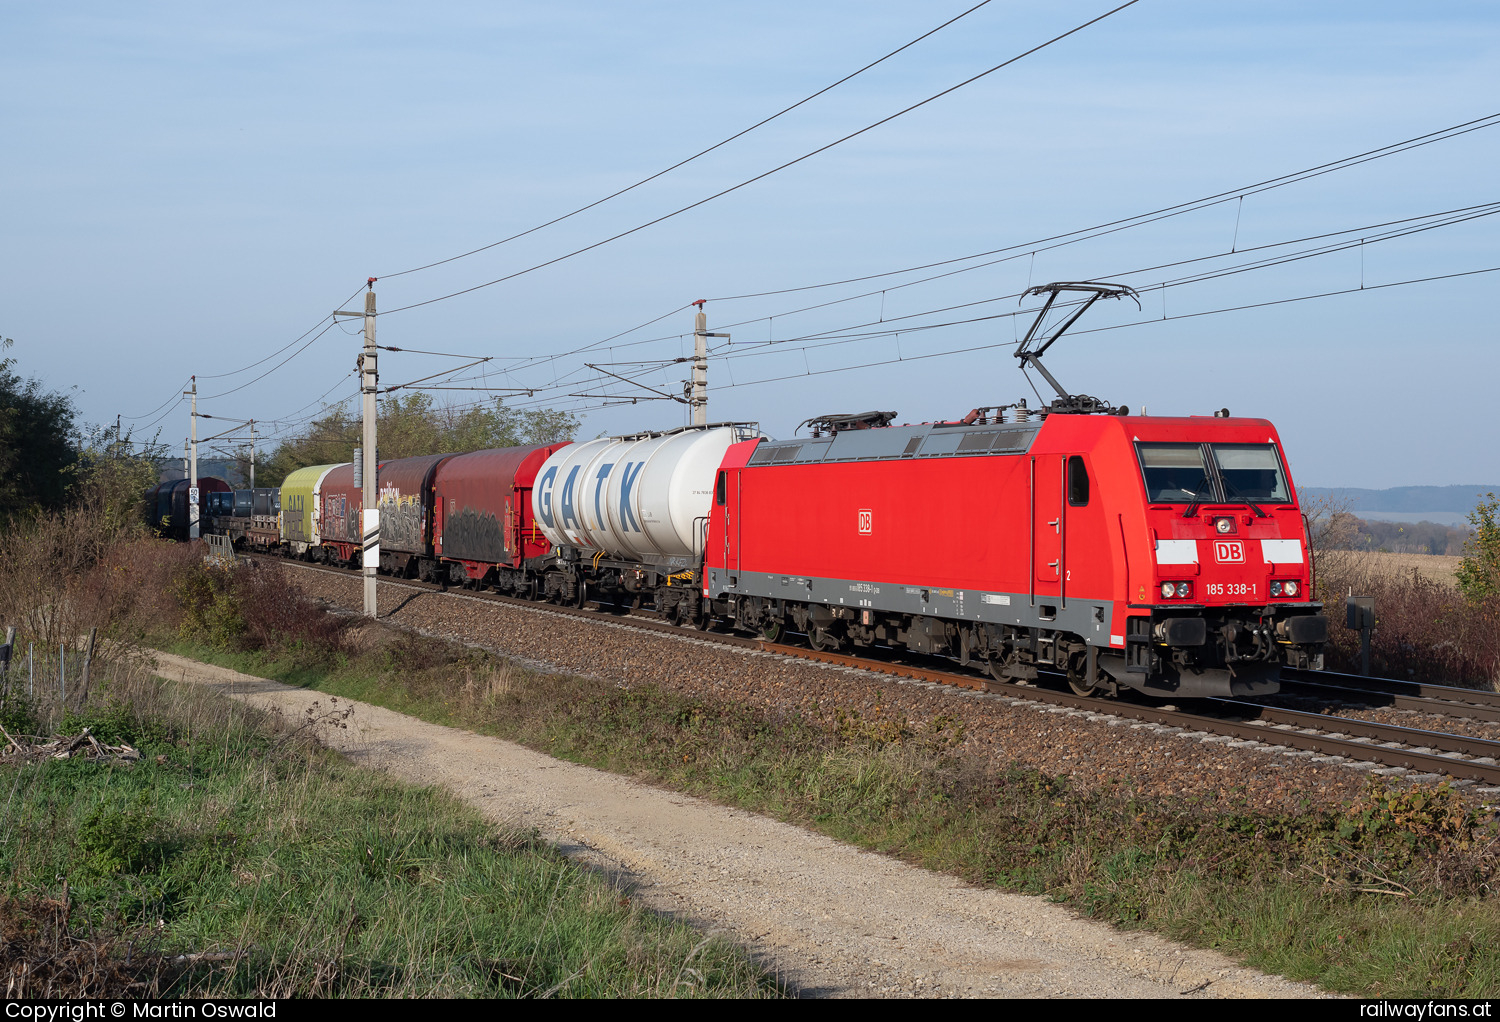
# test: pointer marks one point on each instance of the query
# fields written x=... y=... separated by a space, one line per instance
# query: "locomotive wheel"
x=1081 y=687
x=1077 y=669
x=822 y=639
x=771 y=631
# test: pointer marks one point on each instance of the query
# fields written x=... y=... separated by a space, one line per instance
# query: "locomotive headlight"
x=1223 y=525
x=1168 y=590
x=1275 y=588
x=1290 y=588
x=1184 y=590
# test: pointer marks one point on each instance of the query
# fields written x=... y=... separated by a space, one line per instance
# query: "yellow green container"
x=299 y=507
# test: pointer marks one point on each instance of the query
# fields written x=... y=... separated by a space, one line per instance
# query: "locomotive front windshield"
x=1251 y=472
x=1182 y=474
x=1175 y=473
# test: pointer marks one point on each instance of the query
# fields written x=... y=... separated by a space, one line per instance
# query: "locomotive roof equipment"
x=1066 y=403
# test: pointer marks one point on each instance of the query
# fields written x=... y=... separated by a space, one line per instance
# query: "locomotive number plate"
x=1229 y=551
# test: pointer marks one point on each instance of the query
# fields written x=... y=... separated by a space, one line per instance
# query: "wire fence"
x=49 y=680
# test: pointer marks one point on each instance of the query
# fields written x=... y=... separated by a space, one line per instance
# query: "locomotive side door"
x=1047 y=527
x=728 y=497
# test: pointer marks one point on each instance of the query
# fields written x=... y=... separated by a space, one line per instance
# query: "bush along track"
x=1389 y=893
x=237 y=857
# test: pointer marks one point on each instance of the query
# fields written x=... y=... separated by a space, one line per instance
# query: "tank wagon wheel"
x=771 y=631
x=581 y=598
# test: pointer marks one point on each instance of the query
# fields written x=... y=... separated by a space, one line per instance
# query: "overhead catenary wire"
x=701 y=153
x=1442 y=134
x=311 y=341
x=177 y=393
x=175 y=396
x=1369 y=234
x=774 y=170
x=1125 y=223
x=1025 y=248
x=1416 y=225
x=1366 y=289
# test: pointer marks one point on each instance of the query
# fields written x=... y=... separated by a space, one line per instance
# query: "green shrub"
x=1478 y=574
x=115 y=839
x=210 y=606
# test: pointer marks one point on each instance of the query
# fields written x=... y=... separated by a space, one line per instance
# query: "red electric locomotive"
x=1166 y=555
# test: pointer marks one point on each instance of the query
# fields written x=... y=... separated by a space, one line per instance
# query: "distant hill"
x=1404 y=499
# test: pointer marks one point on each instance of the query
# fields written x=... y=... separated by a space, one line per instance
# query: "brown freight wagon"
x=404 y=499
x=482 y=523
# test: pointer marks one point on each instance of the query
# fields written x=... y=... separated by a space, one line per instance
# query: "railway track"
x=1446 y=700
x=1234 y=722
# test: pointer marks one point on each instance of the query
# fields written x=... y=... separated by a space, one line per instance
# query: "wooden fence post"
x=5 y=655
x=88 y=660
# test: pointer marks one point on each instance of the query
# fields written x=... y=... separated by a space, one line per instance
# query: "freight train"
x=1167 y=555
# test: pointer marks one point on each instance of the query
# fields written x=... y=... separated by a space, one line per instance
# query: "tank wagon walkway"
x=832 y=920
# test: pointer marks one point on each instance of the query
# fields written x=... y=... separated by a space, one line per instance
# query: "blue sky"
x=187 y=188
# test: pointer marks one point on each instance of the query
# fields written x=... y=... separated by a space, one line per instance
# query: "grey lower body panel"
x=1088 y=619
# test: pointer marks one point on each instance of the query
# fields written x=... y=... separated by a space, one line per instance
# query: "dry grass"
x=1424 y=628
x=1431 y=567
x=1390 y=896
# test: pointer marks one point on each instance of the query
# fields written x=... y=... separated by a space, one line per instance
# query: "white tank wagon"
x=638 y=498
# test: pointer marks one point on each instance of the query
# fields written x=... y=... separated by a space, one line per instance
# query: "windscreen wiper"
x=1231 y=491
x=1193 y=507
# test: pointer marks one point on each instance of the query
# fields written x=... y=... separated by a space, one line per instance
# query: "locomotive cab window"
x=1175 y=473
x=1251 y=472
x=1078 y=482
x=721 y=488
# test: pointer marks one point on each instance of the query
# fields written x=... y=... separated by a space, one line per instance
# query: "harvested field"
x=1432 y=567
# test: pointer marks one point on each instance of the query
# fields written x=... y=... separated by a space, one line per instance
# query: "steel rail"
x=1416 y=737
x=1267 y=725
x=1392 y=686
x=1419 y=704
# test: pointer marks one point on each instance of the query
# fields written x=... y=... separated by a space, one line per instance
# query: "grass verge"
x=238 y=857
x=1390 y=897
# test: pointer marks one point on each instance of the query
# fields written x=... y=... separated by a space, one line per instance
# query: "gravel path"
x=1090 y=749
x=833 y=920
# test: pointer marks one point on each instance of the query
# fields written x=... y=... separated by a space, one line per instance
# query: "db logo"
x=866 y=521
x=1229 y=551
